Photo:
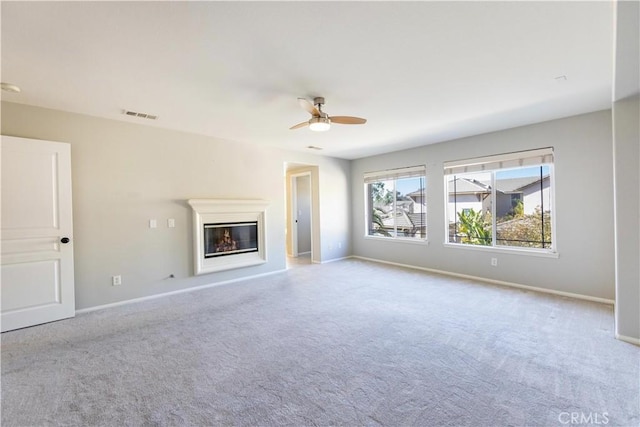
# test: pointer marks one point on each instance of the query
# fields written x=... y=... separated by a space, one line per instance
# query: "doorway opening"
x=301 y=215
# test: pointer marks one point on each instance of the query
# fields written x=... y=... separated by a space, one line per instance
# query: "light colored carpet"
x=345 y=343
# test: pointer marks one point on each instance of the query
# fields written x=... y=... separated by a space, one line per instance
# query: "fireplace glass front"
x=230 y=238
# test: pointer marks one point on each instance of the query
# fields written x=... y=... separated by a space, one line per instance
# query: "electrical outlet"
x=171 y=223
x=494 y=262
x=116 y=280
x=153 y=223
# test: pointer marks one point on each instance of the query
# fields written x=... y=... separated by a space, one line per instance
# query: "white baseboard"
x=179 y=291
x=334 y=260
x=630 y=340
x=495 y=282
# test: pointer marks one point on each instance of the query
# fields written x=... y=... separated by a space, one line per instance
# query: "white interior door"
x=37 y=244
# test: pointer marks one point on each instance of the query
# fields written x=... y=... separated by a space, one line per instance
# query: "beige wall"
x=583 y=207
x=125 y=174
x=626 y=139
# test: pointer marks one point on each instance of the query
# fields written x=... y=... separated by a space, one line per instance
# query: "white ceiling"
x=420 y=72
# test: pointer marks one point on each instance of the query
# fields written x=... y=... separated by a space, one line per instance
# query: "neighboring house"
x=527 y=189
x=467 y=194
x=409 y=218
x=474 y=194
x=531 y=195
x=418 y=196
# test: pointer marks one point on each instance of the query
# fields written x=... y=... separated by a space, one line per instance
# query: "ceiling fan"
x=321 y=121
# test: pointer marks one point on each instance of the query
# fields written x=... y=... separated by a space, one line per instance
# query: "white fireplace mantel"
x=216 y=211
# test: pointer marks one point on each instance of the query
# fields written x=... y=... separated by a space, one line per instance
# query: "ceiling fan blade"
x=347 y=120
x=299 y=125
x=307 y=106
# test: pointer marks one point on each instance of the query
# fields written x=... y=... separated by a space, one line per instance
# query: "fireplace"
x=228 y=234
x=230 y=238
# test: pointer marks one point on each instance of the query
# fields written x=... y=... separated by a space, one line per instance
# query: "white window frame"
x=493 y=164
x=387 y=175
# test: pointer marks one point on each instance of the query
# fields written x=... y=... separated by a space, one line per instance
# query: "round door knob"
x=65 y=240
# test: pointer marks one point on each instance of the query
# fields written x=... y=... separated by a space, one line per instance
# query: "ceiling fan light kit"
x=321 y=121
x=319 y=124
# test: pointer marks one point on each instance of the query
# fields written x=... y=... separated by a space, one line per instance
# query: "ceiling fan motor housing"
x=318 y=101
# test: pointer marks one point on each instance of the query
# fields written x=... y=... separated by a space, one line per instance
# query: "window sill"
x=515 y=251
x=424 y=242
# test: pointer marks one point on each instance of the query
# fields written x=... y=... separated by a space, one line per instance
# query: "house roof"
x=405 y=220
x=418 y=219
x=512 y=185
x=400 y=220
x=508 y=185
x=536 y=181
x=464 y=185
x=233 y=70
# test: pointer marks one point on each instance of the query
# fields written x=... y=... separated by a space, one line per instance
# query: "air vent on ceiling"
x=141 y=115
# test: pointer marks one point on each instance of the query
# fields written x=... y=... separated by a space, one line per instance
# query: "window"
x=396 y=203
x=502 y=201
